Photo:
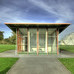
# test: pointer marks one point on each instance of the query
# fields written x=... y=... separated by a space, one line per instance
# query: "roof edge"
x=41 y=23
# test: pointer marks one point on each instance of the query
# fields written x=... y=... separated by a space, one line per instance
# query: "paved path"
x=38 y=65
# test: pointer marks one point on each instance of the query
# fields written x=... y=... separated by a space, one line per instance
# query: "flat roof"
x=39 y=23
x=61 y=26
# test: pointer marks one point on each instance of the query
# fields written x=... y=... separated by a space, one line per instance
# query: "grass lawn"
x=69 y=48
x=69 y=63
x=6 y=47
x=6 y=64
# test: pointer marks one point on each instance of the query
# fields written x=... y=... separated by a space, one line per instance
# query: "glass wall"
x=52 y=40
x=33 y=40
x=27 y=40
x=42 y=40
x=22 y=39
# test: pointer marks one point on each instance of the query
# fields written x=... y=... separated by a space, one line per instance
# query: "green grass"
x=69 y=63
x=6 y=47
x=6 y=64
x=69 y=48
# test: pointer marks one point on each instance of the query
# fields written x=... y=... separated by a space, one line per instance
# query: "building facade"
x=37 y=37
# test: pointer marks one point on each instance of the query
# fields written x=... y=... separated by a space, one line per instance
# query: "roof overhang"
x=61 y=26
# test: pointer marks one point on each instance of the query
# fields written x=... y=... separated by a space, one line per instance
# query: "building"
x=37 y=37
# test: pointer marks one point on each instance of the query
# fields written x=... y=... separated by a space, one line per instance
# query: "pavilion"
x=37 y=37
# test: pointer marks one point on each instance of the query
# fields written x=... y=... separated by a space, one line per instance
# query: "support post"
x=57 y=42
x=37 y=41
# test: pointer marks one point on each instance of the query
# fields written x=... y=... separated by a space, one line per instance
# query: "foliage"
x=69 y=48
x=6 y=47
x=6 y=64
x=69 y=63
x=1 y=35
x=10 y=40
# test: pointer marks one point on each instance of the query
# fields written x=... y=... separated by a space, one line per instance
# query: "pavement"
x=38 y=65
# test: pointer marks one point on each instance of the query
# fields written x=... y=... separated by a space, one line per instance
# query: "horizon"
x=37 y=11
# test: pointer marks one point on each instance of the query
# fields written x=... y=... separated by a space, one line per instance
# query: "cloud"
x=13 y=11
x=50 y=11
x=56 y=8
x=11 y=15
x=59 y=21
x=26 y=10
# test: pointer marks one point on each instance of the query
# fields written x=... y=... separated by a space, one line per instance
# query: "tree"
x=7 y=41
x=12 y=39
x=1 y=35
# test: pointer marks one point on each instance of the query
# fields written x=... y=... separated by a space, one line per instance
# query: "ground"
x=38 y=65
x=26 y=62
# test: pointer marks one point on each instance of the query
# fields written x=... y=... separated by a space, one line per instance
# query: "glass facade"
x=42 y=40
x=27 y=40
x=33 y=42
x=52 y=40
x=22 y=38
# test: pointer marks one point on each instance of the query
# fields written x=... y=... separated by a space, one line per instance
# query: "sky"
x=36 y=11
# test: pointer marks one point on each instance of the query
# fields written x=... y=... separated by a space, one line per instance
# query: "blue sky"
x=39 y=11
